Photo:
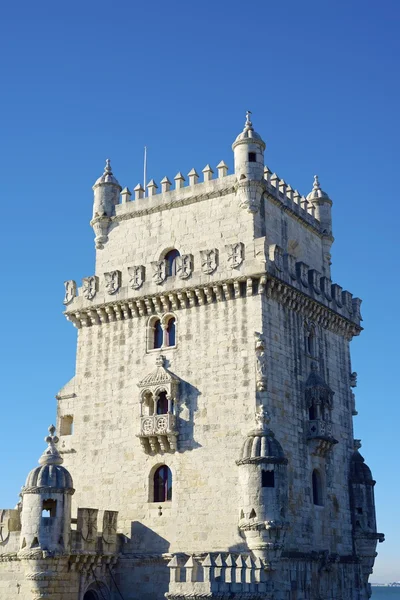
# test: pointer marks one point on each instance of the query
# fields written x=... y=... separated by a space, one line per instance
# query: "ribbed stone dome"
x=316 y=193
x=260 y=444
x=248 y=133
x=50 y=473
x=54 y=476
x=359 y=471
x=107 y=176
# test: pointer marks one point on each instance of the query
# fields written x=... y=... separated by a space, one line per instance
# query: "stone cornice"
x=233 y=288
x=306 y=220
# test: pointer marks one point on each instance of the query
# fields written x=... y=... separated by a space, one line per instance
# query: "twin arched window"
x=162 y=484
x=162 y=334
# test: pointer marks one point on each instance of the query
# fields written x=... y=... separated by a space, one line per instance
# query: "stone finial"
x=51 y=455
x=248 y=124
x=126 y=195
x=152 y=187
x=222 y=169
x=296 y=197
x=357 y=445
x=316 y=185
x=262 y=418
x=179 y=181
x=165 y=185
x=193 y=177
x=208 y=173
x=139 y=191
x=107 y=168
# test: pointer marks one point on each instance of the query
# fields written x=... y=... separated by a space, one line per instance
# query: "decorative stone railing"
x=159 y=432
x=320 y=436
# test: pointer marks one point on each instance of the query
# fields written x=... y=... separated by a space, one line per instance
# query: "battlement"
x=163 y=198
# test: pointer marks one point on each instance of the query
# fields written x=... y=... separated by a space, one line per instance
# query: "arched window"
x=170 y=258
x=162 y=403
x=90 y=595
x=170 y=332
x=162 y=484
x=158 y=334
x=317 y=488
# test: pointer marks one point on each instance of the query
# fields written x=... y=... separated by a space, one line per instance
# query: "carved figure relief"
x=89 y=287
x=136 y=276
x=261 y=363
x=235 y=254
x=70 y=291
x=209 y=260
x=184 y=266
x=113 y=281
x=159 y=271
x=353 y=379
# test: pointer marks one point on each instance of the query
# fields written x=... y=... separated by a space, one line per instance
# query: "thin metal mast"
x=145 y=170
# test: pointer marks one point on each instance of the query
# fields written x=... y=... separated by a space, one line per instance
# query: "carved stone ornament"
x=276 y=256
x=184 y=266
x=353 y=379
x=110 y=526
x=113 y=281
x=209 y=260
x=159 y=271
x=70 y=291
x=261 y=363
x=235 y=254
x=89 y=524
x=4 y=526
x=90 y=287
x=136 y=276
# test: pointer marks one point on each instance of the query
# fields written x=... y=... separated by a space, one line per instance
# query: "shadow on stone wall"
x=144 y=539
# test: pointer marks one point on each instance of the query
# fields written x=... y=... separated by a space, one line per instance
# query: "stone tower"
x=209 y=422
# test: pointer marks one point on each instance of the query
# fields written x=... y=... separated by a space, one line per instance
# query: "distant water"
x=385 y=593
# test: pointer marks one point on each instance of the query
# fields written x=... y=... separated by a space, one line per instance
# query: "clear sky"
x=81 y=81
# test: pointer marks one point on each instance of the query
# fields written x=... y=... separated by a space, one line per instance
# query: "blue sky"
x=84 y=81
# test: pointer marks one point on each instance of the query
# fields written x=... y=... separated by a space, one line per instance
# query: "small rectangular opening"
x=267 y=479
x=67 y=425
x=360 y=510
x=49 y=508
x=252 y=157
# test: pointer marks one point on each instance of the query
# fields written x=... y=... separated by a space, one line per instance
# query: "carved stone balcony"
x=159 y=433
x=320 y=436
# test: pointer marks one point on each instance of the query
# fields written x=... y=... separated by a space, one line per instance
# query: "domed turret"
x=248 y=151
x=106 y=196
x=263 y=479
x=46 y=503
x=322 y=205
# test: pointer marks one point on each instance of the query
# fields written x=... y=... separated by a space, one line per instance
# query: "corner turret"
x=322 y=211
x=263 y=479
x=106 y=197
x=46 y=504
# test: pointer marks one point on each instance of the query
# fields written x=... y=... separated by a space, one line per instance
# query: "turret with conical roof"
x=46 y=504
x=106 y=196
x=322 y=211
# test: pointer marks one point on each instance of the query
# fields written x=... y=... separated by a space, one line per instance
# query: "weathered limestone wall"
x=214 y=357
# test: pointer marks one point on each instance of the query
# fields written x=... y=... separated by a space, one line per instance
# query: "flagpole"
x=145 y=170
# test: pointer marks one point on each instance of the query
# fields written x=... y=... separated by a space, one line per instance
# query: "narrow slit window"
x=268 y=479
x=317 y=488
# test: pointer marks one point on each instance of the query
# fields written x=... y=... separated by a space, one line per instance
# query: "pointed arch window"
x=162 y=484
